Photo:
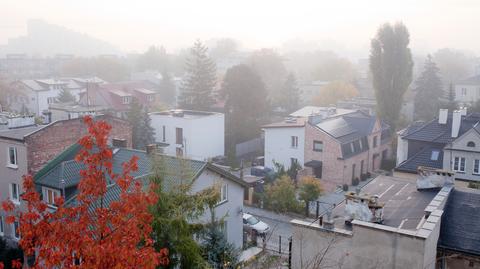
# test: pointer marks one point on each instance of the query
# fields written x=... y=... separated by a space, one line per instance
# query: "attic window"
x=434 y=156
x=471 y=144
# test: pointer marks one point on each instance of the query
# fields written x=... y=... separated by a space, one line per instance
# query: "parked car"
x=252 y=223
x=261 y=171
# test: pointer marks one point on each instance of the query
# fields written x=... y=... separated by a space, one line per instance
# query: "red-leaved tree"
x=92 y=232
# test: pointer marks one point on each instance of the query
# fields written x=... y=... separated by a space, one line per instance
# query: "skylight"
x=434 y=156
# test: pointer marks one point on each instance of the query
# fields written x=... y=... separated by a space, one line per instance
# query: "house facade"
x=193 y=134
x=27 y=149
x=202 y=174
x=449 y=142
x=337 y=149
x=467 y=91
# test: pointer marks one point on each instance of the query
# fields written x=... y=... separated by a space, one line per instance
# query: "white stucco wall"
x=460 y=149
x=230 y=211
x=204 y=137
x=402 y=150
x=471 y=96
x=278 y=146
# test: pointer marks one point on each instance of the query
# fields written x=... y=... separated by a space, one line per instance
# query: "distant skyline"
x=342 y=25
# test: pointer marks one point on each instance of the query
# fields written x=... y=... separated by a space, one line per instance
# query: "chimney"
x=151 y=148
x=463 y=111
x=442 y=116
x=456 y=121
x=119 y=143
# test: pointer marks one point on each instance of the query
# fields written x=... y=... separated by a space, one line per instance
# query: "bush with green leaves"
x=280 y=196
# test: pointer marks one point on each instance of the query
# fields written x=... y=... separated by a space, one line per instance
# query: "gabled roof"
x=175 y=169
x=460 y=229
x=350 y=127
x=422 y=158
x=435 y=132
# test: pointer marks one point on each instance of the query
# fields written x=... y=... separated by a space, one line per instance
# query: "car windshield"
x=252 y=220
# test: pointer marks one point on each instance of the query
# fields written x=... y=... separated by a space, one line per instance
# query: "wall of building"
x=335 y=170
x=471 y=96
x=402 y=150
x=278 y=146
x=460 y=149
x=231 y=210
x=10 y=175
x=204 y=137
x=48 y=142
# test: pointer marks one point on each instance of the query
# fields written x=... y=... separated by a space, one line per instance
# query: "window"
x=150 y=98
x=293 y=162
x=163 y=132
x=353 y=171
x=223 y=193
x=471 y=144
x=434 y=156
x=14 y=193
x=12 y=157
x=126 y=100
x=459 y=164
x=318 y=146
x=352 y=147
x=361 y=167
x=2 y=231
x=49 y=195
x=179 y=136
x=51 y=100
x=361 y=144
x=16 y=232
x=476 y=167
x=375 y=141
x=464 y=91
x=294 y=141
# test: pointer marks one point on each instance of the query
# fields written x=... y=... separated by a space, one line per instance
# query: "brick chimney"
x=151 y=148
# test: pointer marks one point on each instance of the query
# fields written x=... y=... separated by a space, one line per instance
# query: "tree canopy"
x=65 y=96
x=333 y=92
x=155 y=58
x=391 y=67
x=197 y=89
x=92 y=232
x=429 y=91
x=245 y=103
x=142 y=131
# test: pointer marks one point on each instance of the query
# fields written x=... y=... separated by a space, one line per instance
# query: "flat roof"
x=404 y=204
x=186 y=114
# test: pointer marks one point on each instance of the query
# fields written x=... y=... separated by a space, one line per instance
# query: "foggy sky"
x=134 y=25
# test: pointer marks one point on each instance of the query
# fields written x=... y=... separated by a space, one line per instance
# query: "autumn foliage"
x=91 y=232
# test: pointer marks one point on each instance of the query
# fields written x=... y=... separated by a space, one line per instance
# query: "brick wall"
x=336 y=171
x=45 y=144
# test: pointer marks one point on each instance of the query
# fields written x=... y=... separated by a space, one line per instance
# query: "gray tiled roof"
x=475 y=80
x=433 y=131
x=20 y=133
x=459 y=229
x=422 y=158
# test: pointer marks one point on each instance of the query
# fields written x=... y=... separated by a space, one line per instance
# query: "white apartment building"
x=196 y=135
x=468 y=91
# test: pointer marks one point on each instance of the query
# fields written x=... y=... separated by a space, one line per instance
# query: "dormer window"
x=126 y=100
x=471 y=144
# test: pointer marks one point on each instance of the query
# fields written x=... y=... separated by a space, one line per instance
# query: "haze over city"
x=336 y=25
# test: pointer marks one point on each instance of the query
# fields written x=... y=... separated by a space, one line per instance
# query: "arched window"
x=471 y=144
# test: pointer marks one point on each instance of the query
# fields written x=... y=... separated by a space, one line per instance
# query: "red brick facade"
x=335 y=170
x=48 y=142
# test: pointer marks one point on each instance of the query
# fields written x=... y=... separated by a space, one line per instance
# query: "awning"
x=314 y=164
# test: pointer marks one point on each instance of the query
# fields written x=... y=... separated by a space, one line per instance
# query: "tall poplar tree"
x=196 y=91
x=429 y=91
x=391 y=66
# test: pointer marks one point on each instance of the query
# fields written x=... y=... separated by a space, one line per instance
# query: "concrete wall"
x=10 y=175
x=278 y=146
x=204 y=136
x=231 y=210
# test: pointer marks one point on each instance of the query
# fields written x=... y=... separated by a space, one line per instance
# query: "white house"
x=35 y=95
x=193 y=134
x=468 y=91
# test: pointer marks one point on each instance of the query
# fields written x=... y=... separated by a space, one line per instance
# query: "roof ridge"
x=423 y=126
